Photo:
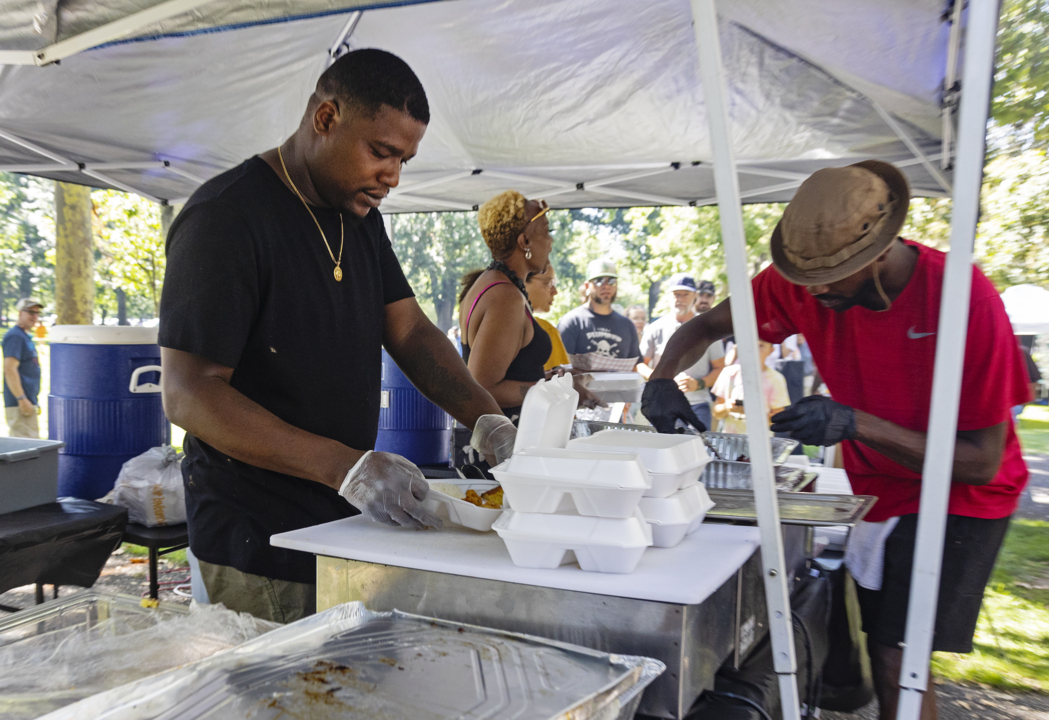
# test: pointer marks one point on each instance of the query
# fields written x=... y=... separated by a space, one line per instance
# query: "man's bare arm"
x=430 y=361
x=198 y=397
x=14 y=380
x=691 y=340
x=977 y=453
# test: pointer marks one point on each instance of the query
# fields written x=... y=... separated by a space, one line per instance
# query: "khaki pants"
x=280 y=601
x=21 y=426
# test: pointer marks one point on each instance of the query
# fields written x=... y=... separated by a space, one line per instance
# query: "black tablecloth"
x=61 y=543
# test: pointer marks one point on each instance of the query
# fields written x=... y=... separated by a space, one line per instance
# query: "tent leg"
x=950 y=351
x=726 y=182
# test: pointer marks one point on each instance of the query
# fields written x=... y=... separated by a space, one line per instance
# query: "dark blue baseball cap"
x=681 y=281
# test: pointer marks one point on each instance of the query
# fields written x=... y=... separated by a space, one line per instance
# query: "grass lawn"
x=176 y=558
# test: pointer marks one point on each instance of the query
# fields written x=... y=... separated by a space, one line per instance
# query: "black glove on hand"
x=817 y=420
x=664 y=404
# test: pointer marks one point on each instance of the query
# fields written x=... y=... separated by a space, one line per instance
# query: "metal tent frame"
x=572 y=185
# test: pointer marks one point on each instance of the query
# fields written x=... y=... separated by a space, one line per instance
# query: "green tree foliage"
x=129 y=253
x=1020 y=103
x=27 y=240
x=436 y=250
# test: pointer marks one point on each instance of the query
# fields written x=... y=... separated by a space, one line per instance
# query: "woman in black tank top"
x=503 y=345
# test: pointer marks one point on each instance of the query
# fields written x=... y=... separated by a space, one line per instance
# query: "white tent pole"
x=119 y=185
x=33 y=147
x=344 y=35
x=949 y=92
x=980 y=35
x=903 y=135
x=715 y=99
x=110 y=31
x=422 y=184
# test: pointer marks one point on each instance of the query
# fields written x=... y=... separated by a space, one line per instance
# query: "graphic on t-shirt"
x=603 y=342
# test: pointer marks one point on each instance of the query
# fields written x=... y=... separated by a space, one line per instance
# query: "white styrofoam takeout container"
x=461 y=512
x=606 y=545
x=673 y=461
x=546 y=414
x=674 y=517
x=616 y=386
x=547 y=480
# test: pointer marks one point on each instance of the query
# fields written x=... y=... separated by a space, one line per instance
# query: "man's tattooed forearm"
x=437 y=382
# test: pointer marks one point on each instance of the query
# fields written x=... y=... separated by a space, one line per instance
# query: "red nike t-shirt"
x=882 y=363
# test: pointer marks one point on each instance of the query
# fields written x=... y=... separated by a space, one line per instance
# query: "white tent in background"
x=586 y=102
x=1028 y=308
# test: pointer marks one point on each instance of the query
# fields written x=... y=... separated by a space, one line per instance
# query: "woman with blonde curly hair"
x=503 y=345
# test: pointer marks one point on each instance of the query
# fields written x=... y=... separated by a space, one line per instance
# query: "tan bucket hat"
x=840 y=221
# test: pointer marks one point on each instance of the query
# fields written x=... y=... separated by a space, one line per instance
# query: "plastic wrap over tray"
x=74 y=647
x=348 y=662
x=732 y=447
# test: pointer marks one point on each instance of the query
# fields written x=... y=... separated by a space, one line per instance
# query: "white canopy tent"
x=585 y=102
x=1028 y=308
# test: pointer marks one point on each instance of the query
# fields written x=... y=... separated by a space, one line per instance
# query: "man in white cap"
x=868 y=303
x=595 y=327
x=22 y=372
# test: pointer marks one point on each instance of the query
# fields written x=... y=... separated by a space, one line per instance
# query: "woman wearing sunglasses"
x=503 y=345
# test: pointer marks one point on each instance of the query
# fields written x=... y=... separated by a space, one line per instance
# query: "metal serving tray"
x=726 y=475
x=349 y=662
x=794 y=508
x=586 y=428
x=731 y=447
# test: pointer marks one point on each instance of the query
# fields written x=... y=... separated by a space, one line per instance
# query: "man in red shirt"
x=868 y=303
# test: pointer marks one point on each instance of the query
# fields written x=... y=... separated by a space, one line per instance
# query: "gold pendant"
x=338 y=274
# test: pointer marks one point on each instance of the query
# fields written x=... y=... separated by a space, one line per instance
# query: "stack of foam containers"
x=677 y=501
x=605 y=498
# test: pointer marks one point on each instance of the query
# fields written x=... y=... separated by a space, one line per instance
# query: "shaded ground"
x=959 y=702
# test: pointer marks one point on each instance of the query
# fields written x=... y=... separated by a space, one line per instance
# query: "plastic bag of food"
x=150 y=487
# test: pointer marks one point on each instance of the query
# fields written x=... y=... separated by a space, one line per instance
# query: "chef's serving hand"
x=664 y=404
x=817 y=420
x=494 y=437
x=389 y=489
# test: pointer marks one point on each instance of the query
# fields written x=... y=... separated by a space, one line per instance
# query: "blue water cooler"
x=409 y=424
x=104 y=404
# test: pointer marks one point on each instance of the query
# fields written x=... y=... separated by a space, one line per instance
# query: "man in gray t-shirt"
x=696 y=380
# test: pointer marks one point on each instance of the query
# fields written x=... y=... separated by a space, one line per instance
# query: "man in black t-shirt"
x=282 y=288
x=596 y=327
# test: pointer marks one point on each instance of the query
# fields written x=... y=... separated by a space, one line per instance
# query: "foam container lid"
x=660 y=453
x=681 y=508
x=606 y=381
x=572 y=529
x=547 y=414
x=578 y=468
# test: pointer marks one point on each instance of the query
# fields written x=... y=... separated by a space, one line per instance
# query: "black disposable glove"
x=817 y=420
x=664 y=404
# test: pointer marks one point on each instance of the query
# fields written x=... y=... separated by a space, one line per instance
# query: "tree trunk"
x=74 y=256
x=653 y=296
x=122 y=307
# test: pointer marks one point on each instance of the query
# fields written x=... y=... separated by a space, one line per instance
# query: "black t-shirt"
x=612 y=335
x=249 y=285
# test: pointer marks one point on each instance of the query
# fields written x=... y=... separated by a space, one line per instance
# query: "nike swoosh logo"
x=915 y=335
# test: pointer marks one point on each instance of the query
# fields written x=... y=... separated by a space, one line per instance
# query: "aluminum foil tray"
x=730 y=447
x=728 y=475
x=348 y=662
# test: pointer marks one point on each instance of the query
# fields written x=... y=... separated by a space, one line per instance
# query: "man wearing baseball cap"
x=693 y=381
x=705 y=292
x=595 y=327
x=868 y=304
x=22 y=372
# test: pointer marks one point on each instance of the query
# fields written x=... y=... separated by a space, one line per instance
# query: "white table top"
x=686 y=575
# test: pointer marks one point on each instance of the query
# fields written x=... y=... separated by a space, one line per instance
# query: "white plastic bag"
x=150 y=487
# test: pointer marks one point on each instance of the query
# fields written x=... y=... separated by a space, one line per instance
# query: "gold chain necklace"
x=342 y=237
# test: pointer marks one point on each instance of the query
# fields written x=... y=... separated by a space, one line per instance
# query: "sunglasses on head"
x=543 y=210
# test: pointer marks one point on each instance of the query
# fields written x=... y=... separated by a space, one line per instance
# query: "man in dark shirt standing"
x=595 y=327
x=282 y=288
x=22 y=372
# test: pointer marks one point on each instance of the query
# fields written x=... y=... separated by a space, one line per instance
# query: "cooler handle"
x=19 y=455
x=145 y=387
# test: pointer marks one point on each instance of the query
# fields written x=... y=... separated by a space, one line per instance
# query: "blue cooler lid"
x=102 y=335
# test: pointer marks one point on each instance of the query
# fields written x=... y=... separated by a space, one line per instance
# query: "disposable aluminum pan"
x=727 y=475
x=731 y=447
x=586 y=428
x=349 y=662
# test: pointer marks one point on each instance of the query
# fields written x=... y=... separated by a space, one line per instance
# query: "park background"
x=650 y=244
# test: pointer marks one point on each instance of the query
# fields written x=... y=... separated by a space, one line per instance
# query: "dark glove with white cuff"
x=389 y=489
x=664 y=404
x=817 y=420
